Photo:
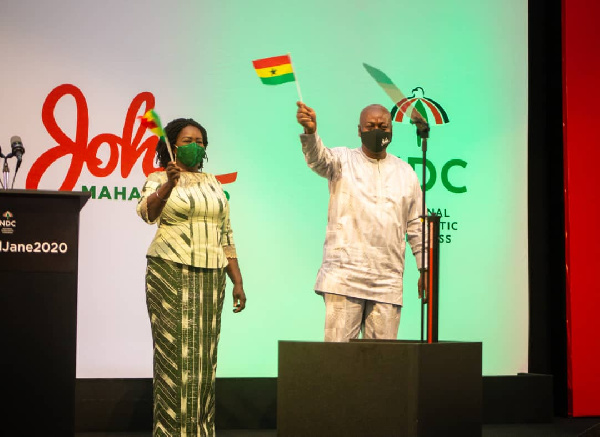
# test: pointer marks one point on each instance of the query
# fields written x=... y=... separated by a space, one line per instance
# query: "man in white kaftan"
x=374 y=203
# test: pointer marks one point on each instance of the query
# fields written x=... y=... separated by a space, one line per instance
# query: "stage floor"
x=561 y=427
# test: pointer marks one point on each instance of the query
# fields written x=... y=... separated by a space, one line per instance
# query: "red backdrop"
x=581 y=95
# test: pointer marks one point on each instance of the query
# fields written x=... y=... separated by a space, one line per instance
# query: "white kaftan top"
x=373 y=205
x=194 y=227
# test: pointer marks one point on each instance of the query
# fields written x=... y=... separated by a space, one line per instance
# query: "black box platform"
x=379 y=389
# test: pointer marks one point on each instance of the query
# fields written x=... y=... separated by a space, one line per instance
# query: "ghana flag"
x=151 y=120
x=275 y=70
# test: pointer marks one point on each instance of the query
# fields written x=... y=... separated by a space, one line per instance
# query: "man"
x=375 y=201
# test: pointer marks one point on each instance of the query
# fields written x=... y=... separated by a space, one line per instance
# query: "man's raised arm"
x=318 y=157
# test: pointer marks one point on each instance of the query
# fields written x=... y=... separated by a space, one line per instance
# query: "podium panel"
x=379 y=389
x=38 y=310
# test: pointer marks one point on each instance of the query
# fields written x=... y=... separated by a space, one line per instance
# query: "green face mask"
x=191 y=154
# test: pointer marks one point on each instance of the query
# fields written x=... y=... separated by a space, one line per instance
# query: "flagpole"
x=169 y=147
x=295 y=77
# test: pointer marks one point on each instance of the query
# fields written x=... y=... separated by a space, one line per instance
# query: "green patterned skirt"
x=184 y=305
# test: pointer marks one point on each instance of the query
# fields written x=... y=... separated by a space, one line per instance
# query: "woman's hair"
x=172 y=130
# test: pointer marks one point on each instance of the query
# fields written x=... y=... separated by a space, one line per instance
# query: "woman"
x=188 y=258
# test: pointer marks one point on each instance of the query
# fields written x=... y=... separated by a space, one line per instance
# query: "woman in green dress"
x=188 y=260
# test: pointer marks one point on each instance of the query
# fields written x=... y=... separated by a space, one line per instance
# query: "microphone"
x=1 y=155
x=422 y=125
x=17 y=149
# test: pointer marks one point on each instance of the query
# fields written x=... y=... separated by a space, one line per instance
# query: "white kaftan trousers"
x=346 y=317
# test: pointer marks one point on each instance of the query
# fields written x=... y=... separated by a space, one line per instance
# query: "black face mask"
x=376 y=140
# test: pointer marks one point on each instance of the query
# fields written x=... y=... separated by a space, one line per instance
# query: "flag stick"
x=169 y=147
x=295 y=77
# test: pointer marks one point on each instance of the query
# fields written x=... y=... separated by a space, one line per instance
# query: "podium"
x=39 y=233
x=379 y=388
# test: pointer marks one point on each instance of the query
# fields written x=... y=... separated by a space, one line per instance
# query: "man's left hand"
x=423 y=286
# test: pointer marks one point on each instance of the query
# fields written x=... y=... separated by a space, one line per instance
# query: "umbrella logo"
x=430 y=110
x=7 y=215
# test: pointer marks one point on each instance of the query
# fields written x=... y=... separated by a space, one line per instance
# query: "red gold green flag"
x=275 y=70
x=151 y=120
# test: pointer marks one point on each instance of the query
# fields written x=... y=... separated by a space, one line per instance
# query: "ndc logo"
x=433 y=113
x=7 y=223
x=430 y=110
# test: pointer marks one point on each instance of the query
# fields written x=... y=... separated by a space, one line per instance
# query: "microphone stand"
x=16 y=171
x=423 y=132
x=5 y=172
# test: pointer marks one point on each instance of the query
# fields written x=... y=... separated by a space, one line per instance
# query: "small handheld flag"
x=276 y=70
x=385 y=83
x=150 y=120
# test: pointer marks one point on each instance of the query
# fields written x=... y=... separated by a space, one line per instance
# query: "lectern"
x=39 y=233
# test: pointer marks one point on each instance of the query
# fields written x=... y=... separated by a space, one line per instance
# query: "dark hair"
x=172 y=130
